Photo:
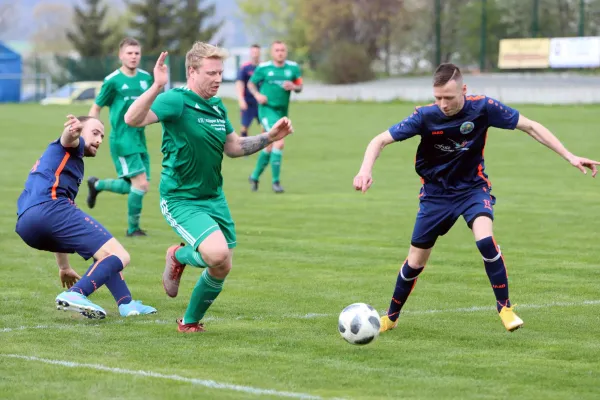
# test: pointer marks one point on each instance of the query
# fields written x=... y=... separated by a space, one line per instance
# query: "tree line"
x=353 y=40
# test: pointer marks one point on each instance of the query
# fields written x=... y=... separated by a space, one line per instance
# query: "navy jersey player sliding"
x=450 y=162
x=49 y=220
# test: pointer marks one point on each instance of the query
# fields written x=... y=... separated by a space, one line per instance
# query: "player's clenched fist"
x=362 y=182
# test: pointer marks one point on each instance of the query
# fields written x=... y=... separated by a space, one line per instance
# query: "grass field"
x=302 y=257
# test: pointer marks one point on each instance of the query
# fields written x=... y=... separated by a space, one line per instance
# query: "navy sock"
x=97 y=275
x=118 y=288
x=244 y=132
x=495 y=269
x=407 y=278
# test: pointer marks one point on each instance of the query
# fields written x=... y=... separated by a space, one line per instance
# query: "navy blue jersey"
x=244 y=75
x=450 y=155
x=57 y=174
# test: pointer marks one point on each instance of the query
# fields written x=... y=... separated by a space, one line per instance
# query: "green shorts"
x=132 y=165
x=269 y=115
x=194 y=220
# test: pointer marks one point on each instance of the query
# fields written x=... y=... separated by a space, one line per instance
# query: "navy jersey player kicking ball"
x=49 y=220
x=450 y=162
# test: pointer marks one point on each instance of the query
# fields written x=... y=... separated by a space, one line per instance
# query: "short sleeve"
x=78 y=151
x=500 y=115
x=106 y=95
x=168 y=105
x=298 y=71
x=257 y=76
x=228 y=127
x=241 y=73
x=81 y=148
x=407 y=128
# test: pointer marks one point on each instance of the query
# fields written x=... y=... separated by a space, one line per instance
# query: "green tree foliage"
x=90 y=39
x=153 y=23
x=346 y=63
x=192 y=23
x=269 y=20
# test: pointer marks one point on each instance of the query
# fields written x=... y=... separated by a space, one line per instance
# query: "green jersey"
x=118 y=92
x=194 y=135
x=270 y=78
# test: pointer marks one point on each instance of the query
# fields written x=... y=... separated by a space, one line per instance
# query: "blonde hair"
x=199 y=52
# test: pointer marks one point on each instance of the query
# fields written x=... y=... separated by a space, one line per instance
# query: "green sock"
x=261 y=164
x=120 y=186
x=188 y=256
x=204 y=294
x=276 y=156
x=134 y=209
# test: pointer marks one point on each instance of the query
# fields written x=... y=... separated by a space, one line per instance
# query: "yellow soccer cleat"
x=510 y=320
x=387 y=324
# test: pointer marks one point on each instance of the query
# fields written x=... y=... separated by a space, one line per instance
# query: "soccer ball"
x=359 y=324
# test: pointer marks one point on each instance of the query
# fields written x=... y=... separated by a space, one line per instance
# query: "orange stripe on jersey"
x=475 y=98
x=482 y=176
x=57 y=174
x=426 y=105
x=298 y=81
x=480 y=167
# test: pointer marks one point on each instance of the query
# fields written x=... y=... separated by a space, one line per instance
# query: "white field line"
x=156 y=375
x=143 y=321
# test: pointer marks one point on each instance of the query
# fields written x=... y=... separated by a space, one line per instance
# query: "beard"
x=89 y=152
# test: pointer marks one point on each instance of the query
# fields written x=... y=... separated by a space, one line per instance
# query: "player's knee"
x=418 y=256
x=124 y=257
x=217 y=258
x=142 y=185
x=113 y=247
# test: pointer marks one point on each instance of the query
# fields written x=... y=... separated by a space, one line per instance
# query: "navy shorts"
x=60 y=227
x=250 y=114
x=439 y=211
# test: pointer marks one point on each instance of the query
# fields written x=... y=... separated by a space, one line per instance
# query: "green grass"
x=303 y=256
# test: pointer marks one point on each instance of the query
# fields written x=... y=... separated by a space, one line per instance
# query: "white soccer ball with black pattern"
x=359 y=324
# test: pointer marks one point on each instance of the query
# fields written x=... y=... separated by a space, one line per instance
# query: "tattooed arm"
x=236 y=146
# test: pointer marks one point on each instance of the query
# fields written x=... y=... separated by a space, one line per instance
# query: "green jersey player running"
x=276 y=78
x=196 y=134
x=127 y=144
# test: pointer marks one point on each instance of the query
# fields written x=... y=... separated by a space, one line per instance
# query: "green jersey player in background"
x=127 y=144
x=276 y=78
x=196 y=134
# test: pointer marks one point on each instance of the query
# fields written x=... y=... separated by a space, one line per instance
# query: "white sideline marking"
x=150 y=374
x=22 y=328
x=294 y=316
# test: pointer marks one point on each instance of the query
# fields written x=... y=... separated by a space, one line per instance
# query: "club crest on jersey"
x=288 y=73
x=467 y=127
x=144 y=85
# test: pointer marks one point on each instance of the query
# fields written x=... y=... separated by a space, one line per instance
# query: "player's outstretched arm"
x=543 y=135
x=363 y=180
x=139 y=113
x=67 y=275
x=71 y=133
x=95 y=111
x=236 y=146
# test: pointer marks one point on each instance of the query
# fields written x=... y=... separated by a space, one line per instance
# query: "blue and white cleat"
x=73 y=301
x=135 y=308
